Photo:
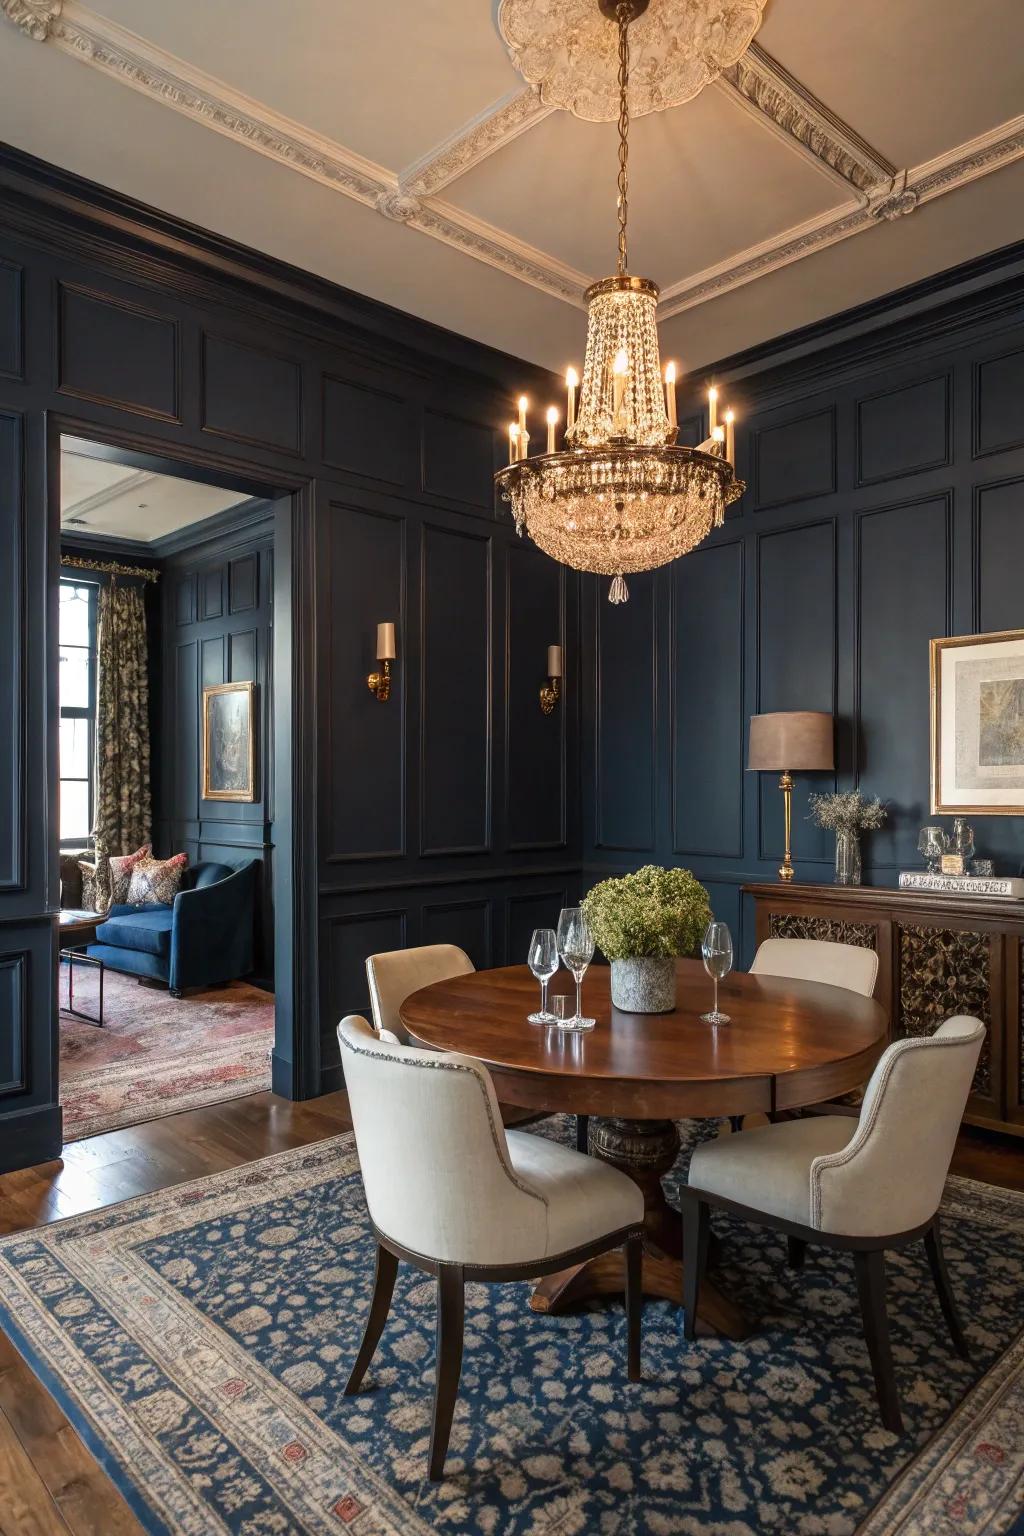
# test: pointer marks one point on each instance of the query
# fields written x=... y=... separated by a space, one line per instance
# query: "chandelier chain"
x=623 y=14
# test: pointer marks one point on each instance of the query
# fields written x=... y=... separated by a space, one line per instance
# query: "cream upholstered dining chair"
x=396 y=974
x=453 y=1193
x=861 y=1185
x=838 y=965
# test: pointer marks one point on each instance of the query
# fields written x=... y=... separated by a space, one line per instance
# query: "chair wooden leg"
x=451 y=1301
x=634 y=1303
x=797 y=1252
x=380 y=1305
x=937 y=1262
x=870 y=1268
x=696 y=1229
x=582 y=1133
x=736 y=1121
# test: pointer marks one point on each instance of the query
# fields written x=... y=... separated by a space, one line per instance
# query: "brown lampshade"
x=791 y=739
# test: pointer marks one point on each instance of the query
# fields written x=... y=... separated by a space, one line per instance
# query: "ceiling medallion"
x=566 y=49
x=621 y=496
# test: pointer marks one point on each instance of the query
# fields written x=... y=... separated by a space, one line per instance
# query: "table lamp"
x=799 y=739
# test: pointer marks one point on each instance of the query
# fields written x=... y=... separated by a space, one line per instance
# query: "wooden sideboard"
x=937 y=956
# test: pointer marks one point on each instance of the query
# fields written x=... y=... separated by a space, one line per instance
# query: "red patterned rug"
x=156 y=1054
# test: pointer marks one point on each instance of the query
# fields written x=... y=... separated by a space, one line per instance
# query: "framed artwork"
x=978 y=724
x=229 y=748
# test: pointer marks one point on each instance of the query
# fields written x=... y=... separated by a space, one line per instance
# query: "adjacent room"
x=511 y=768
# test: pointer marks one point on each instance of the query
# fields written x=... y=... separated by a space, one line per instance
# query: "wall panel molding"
x=117 y=353
x=14 y=1010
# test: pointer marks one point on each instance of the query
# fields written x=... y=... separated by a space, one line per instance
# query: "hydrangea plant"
x=655 y=913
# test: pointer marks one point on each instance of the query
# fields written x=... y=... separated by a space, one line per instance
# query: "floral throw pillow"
x=157 y=880
x=121 y=866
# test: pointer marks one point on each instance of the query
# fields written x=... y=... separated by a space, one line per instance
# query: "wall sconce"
x=379 y=683
x=551 y=692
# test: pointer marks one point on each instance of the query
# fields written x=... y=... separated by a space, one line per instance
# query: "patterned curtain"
x=123 y=812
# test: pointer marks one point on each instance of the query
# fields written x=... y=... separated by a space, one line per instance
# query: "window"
x=77 y=638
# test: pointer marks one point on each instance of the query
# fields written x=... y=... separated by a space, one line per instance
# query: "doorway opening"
x=164 y=786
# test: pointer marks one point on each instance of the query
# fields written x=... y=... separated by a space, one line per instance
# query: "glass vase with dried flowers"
x=847 y=815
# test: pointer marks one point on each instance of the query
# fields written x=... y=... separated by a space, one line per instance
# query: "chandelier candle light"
x=622 y=495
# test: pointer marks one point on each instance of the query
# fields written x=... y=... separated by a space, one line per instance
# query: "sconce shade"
x=791 y=740
x=386 y=642
x=554 y=661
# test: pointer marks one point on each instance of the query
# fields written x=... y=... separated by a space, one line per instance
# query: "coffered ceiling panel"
x=555 y=188
x=394 y=149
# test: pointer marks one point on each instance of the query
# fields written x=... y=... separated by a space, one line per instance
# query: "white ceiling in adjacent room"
x=103 y=499
x=396 y=150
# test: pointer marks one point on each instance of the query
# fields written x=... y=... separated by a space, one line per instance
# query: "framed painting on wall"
x=229 y=748
x=977 y=752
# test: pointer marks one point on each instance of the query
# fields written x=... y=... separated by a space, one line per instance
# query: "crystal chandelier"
x=622 y=496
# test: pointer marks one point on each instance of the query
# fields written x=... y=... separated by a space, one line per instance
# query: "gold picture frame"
x=977 y=724
x=229 y=742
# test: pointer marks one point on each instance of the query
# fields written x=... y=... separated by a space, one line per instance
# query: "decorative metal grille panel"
x=789 y=925
x=944 y=972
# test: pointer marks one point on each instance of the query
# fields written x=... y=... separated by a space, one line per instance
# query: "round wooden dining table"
x=789 y=1044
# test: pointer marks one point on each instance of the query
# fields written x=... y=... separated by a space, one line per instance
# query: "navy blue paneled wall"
x=884 y=506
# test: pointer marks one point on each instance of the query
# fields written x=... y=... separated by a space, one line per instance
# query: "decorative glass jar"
x=848 y=864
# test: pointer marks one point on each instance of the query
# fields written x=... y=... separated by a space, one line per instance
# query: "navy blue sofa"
x=204 y=938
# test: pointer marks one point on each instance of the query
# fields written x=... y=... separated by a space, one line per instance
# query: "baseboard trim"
x=31 y=1136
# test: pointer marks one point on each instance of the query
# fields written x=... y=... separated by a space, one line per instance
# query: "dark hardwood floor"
x=50 y=1485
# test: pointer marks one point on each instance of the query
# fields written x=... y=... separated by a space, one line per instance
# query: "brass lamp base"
x=786 y=870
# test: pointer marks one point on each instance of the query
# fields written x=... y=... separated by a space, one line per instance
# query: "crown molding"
x=759 y=83
x=95 y=499
x=475 y=141
x=131 y=60
x=35 y=18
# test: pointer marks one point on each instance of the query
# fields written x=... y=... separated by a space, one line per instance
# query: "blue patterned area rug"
x=200 y=1338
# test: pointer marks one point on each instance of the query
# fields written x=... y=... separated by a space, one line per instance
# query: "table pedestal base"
x=645 y=1150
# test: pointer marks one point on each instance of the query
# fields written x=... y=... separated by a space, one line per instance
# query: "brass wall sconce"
x=552 y=689
x=379 y=683
x=788 y=739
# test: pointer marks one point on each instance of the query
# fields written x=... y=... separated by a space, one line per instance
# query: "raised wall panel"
x=244 y=583
x=12 y=351
x=707 y=701
x=624 y=748
x=796 y=629
x=455 y=692
x=524 y=913
x=999 y=403
x=465 y=923
x=185 y=714
x=902 y=583
x=241 y=660
x=211 y=593
x=364 y=792
x=369 y=431
x=212 y=669
x=903 y=431
x=999 y=555
x=251 y=395
x=795 y=460
x=691 y=431
x=345 y=942
x=14 y=1013
x=458 y=459
x=117 y=354
x=13 y=788
x=534 y=742
x=185 y=600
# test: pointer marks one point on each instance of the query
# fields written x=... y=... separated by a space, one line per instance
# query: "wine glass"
x=543 y=962
x=717 y=952
x=576 y=947
x=932 y=844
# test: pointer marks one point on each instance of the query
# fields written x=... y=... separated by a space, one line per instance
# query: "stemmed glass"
x=717 y=952
x=576 y=947
x=543 y=962
x=932 y=844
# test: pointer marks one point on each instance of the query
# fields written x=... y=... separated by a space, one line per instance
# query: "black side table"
x=73 y=957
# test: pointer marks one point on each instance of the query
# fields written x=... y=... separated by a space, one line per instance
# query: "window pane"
x=74 y=615
x=74 y=749
x=74 y=677
x=74 y=811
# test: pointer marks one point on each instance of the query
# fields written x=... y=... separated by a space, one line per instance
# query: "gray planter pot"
x=644 y=985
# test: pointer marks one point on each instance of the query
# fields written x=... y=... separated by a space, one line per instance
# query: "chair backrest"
x=398 y=973
x=839 y=965
x=433 y=1154
x=206 y=872
x=889 y=1177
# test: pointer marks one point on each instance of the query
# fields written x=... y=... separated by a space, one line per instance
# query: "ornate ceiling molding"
x=492 y=130
x=159 y=75
x=762 y=84
x=569 y=50
x=34 y=17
